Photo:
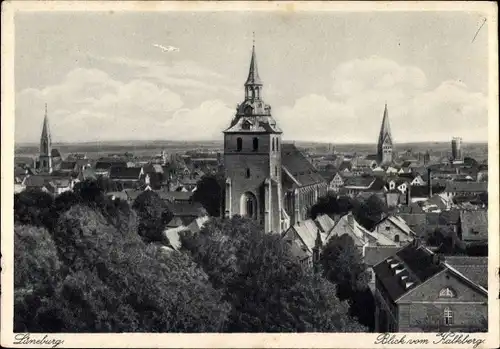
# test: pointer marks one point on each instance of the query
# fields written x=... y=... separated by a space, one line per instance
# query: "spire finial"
x=45 y=109
x=253 y=39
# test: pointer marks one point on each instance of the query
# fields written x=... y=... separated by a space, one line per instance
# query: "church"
x=265 y=179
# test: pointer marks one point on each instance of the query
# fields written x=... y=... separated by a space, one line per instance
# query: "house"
x=374 y=255
x=175 y=196
x=174 y=234
x=127 y=177
x=395 y=229
x=103 y=168
x=347 y=224
x=57 y=186
x=336 y=183
x=68 y=167
x=184 y=213
x=355 y=185
x=464 y=189
x=418 y=291
x=303 y=237
x=474 y=226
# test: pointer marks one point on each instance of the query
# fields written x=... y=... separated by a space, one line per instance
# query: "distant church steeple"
x=45 y=146
x=385 y=144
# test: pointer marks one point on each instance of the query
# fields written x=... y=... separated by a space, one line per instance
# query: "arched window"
x=239 y=144
x=396 y=238
x=255 y=144
x=273 y=143
x=447 y=293
x=248 y=173
x=277 y=144
x=448 y=316
x=276 y=171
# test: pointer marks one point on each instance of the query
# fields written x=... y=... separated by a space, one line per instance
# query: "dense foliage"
x=367 y=212
x=267 y=287
x=210 y=193
x=86 y=263
x=342 y=264
x=153 y=214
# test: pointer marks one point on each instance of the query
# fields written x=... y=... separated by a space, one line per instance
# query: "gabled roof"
x=376 y=254
x=130 y=173
x=415 y=265
x=175 y=195
x=475 y=268
x=106 y=165
x=67 y=165
x=361 y=182
x=399 y=223
x=456 y=186
x=296 y=166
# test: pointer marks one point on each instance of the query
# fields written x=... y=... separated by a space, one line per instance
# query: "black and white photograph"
x=250 y=168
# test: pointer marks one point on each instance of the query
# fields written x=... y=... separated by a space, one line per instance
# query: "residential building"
x=417 y=291
x=395 y=229
x=474 y=227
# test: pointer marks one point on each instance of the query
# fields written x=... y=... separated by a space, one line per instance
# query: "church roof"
x=385 y=130
x=253 y=73
x=296 y=165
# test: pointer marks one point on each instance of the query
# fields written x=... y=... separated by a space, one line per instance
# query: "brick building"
x=417 y=291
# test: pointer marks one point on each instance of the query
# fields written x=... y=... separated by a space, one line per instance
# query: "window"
x=273 y=142
x=249 y=204
x=276 y=171
x=277 y=144
x=387 y=228
x=255 y=144
x=447 y=292
x=448 y=316
x=396 y=238
x=239 y=144
x=248 y=173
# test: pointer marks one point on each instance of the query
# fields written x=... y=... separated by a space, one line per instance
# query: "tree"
x=33 y=207
x=331 y=204
x=267 y=287
x=37 y=272
x=210 y=193
x=153 y=215
x=117 y=283
x=369 y=212
x=342 y=264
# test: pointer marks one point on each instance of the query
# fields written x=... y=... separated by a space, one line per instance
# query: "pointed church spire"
x=253 y=73
x=46 y=129
x=385 y=129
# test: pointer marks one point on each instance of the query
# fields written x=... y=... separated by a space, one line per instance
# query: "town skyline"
x=340 y=95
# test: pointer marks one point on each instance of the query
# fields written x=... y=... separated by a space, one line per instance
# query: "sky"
x=326 y=76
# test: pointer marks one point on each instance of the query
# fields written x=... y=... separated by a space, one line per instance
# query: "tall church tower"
x=45 y=146
x=252 y=158
x=385 y=145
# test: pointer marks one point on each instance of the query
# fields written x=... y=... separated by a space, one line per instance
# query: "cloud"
x=89 y=105
x=167 y=48
x=352 y=112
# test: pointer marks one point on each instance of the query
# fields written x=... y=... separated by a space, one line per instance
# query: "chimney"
x=429 y=182
x=408 y=195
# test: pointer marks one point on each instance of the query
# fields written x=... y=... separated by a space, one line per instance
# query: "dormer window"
x=447 y=293
x=246 y=125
